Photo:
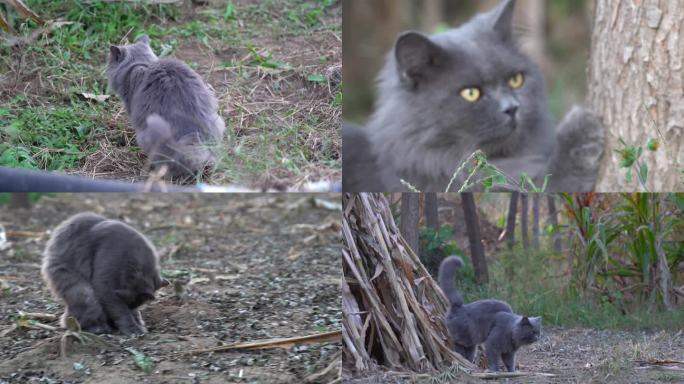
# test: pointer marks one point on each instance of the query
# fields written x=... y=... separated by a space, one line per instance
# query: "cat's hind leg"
x=461 y=350
x=509 y=361
x=121 y=315
x=81 y=304
x=470 y=353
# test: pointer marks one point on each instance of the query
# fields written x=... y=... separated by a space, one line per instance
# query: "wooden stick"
x=334 y=336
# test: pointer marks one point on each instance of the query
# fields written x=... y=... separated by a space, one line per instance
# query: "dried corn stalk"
x=392 y=310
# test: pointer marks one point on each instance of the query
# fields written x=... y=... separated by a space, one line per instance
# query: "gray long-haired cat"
x=489 y=322
x=103 y=270
x=442 y=97
x=172 y=110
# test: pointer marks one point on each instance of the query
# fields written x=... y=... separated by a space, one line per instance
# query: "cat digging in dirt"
x=489 y=322
x=103 y=270
x=172 y=110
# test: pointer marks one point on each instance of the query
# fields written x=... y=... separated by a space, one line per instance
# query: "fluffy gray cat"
x=172 y=110
x=489 y=322
x=442 y=97
x=103 y=270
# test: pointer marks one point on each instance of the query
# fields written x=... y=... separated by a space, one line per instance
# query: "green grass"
x=53 y=128
x=539 y=289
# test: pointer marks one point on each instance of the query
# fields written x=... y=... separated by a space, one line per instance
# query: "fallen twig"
x=333 y=336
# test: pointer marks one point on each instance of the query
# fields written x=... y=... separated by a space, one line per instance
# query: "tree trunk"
x=410 y=215
x=510 y=221
x=432 y=14
x=553 y=220
x=637 y=88
x=477 y=254
x=535 y=221
x=524 y=208
x=20 y=200
x=431 y=211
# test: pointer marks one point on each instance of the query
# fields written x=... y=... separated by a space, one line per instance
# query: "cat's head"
x=121 y=57
x=471 y=82
x=527 y=330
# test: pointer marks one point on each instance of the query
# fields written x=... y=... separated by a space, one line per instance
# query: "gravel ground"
x=579 y=356
x=248 y=267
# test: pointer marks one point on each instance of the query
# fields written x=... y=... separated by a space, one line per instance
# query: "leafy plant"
x=626 y=254
x=631 y=160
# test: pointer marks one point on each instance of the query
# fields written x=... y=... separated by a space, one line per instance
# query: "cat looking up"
x=442 y=97
x=173 y=112
x=103 y=270
x=489 y=322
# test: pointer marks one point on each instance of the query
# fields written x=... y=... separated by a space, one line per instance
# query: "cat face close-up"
x=473 y=78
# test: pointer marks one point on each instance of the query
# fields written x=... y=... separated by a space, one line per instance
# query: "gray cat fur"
x=489 y=322
x=173 y=112
x=422 y=130
x=103 y=270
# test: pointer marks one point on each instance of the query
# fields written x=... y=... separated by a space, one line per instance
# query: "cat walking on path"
x=489 y=322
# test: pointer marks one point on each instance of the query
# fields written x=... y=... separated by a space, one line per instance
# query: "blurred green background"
x=556 y=33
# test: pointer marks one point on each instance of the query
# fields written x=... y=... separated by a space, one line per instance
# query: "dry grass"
x=275 y=67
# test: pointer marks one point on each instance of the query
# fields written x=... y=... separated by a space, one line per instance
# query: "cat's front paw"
x=132 y=330
x=580 y=147
x=99 y=329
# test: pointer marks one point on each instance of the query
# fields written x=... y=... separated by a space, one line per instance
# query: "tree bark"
x=477 y=254
x=20 y=200
x=535 y=221
x=409 y=219
x=432 y=14
x=510 y=221
x=637 y=88
x=524 y=208
x=553 y=220
x=431 y=211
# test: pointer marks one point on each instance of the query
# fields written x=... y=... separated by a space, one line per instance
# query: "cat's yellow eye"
x=517 y=81
x=471 y=94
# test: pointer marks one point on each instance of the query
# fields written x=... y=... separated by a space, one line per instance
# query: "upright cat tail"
x=60 y=274
x=447 y=279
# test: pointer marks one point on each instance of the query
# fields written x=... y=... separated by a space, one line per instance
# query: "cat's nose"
x=511 y=111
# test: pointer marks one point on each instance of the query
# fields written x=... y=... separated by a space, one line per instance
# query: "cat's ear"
x=417 y=57
x=525 y=321
x=115 y=53
x=502 y=18
x=144 y=39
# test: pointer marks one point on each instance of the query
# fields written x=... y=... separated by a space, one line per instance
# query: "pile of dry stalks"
x=392 y=309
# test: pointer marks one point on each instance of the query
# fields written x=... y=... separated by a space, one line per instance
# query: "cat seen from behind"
x=445 y=96
x=102 y=270
x=489 y=322
x=172 y=110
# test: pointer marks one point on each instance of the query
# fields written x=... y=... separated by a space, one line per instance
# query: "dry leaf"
x=98 y=98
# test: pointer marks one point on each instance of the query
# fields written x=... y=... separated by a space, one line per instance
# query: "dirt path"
x=253 y=267
x=583 y=356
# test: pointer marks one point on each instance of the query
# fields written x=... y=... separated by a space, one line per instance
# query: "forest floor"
x=252 y=267
x=579 y=356
x=274 y=65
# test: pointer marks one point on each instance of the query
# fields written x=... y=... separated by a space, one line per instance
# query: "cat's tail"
x=447 y=279
x=64 y=254
x=183 y=156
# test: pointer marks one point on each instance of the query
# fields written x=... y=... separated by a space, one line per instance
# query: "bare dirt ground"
x=252 y=267
x=579 y=356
